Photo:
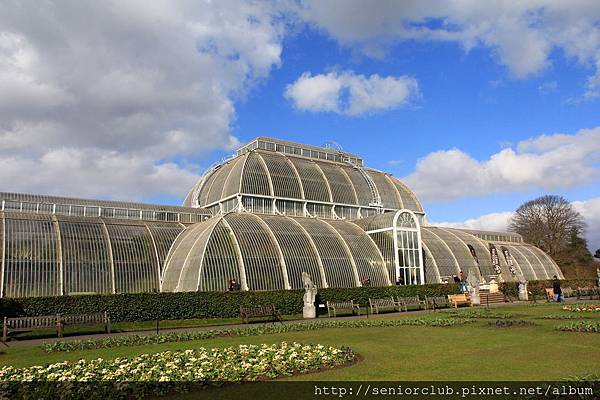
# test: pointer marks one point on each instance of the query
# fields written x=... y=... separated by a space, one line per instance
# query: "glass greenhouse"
x=262 y=217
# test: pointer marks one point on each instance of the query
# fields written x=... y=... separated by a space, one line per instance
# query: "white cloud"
x=589 y=209
x=350 y=94
x=488 y=222
x=93 y=173
x=548 y=87
x=547 y=162
x=522 y=35
x=129 y=89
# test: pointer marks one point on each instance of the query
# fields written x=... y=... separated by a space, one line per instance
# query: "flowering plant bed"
x=481 y=313
x=583 y=308
x=168 y=371
x=510 y=323
x=136 y=340
x=580 y=326
x=561 y=316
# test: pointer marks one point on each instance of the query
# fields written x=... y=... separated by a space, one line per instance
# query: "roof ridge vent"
x=374 y=192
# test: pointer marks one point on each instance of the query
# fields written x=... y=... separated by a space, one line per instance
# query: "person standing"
x=558 y=297
x=463 y=282
x=506 y=292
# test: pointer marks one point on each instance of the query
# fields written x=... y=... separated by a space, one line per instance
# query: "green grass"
x=470 y=352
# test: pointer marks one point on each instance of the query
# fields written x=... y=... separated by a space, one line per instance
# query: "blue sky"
x=477 y=108
x=467 y=101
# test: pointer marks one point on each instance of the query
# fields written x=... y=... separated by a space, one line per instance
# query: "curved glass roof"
x=287 y=176
x=449 y=251
x=50 y=255
x=270 y=252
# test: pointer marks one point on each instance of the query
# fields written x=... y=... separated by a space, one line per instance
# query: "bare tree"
x=549 y=222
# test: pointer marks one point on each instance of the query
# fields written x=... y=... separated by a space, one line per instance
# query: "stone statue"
x=310 y=292
x=523 y=293
x=473 y=286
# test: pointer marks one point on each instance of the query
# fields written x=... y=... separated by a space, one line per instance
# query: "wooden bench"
x=26 y=324
x=388 y=302
x=413 y=301
x=568 y=292
x=58 y=322
x=456 y=299
x=334 y=306
x=260 y=311
x=588 y=292
x=437 y=302
x=101 y=318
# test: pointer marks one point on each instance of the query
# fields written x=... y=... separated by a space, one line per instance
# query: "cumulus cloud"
x=124 y=90
x=589 y=209
x=350 y=94
x=548 y=87
x=521 y=34
x=489 y=222
x=546 y=162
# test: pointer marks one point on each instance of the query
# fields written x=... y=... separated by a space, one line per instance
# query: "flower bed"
x=164 y=372
x=481 y=313
x=561 y=316
x=580 y=326
x=136 y=340
x=583 y=308
x=510 y=323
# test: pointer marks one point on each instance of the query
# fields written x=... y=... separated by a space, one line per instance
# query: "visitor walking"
x=558 y=297
x=505 y=292
x=463 y=282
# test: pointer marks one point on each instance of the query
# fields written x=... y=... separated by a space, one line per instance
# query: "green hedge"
x=166 y=306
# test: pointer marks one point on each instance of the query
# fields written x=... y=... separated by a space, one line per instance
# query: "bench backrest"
x=22 y=323
x=341 y=304
x=438 y=300
x=458 y=297
x=387 y=302
x=413 y=300
x=82 y=319
x=257 y=310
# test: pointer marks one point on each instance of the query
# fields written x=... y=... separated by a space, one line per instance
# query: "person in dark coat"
x=558 y=297
x=506 y=292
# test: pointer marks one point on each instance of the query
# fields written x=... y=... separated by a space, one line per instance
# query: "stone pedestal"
x=493 y=286
x=475 y=299
x=309 y=311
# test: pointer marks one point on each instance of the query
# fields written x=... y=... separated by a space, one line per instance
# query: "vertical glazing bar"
x=395 y=240
x=284 y=270
x=240 y=259
x=59 y=256
x=3 y=252
x=110 y=255
x=158 y=266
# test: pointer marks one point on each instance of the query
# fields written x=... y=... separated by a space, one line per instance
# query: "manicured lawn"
x=475 y=351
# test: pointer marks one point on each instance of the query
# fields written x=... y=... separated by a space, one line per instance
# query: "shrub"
x=189 y=305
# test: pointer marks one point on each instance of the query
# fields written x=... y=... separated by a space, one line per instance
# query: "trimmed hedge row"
x=188 y=305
